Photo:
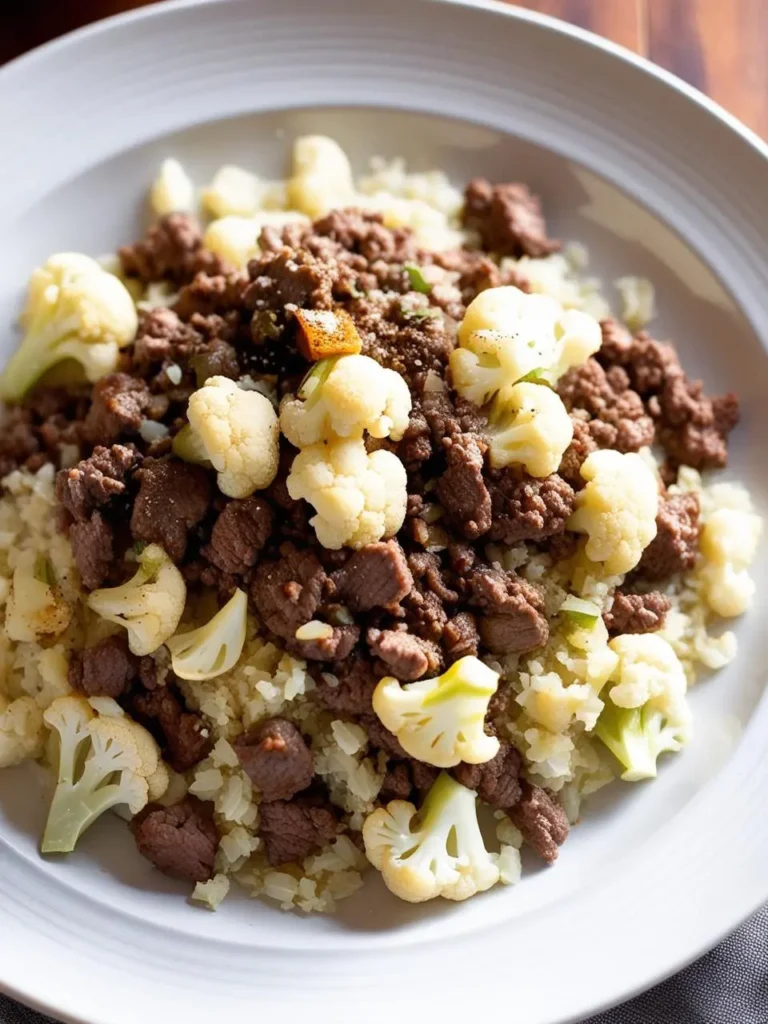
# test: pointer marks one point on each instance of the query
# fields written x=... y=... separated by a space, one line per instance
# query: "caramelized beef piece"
x=173 y=497
x=637 y=613
x=171 y=250
x=287 y=592
x=527 y=508
x=276 y=758
x=461 y=489
x=118 y=404
x=673 y=549
x=104 y=670
x=95 y=481
x=497 y=781
x=292 y=829
x=338 y=645
x=542 y=821
x=460 y=637
x=182 y=734
x=239 y=534
x=180 y=840
x=376 y=576
x=351 y=692
x=93 y=549
x=512 y=618
x=508 y=219
x=404 y=656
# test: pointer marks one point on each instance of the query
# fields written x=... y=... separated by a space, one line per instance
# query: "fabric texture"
x=727 y=986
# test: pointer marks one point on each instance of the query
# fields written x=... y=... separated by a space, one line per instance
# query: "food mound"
x=353 y=510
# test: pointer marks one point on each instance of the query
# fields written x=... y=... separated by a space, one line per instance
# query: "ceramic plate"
x=657 y=181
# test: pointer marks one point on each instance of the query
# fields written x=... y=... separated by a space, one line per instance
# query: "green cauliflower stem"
x=74 y=310
x=102 y=762
x=637 y=736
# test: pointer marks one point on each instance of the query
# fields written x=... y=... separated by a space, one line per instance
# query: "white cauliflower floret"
x=555 y=706
x=507 y=334
x=344 y=397
x=729 y=541
x=75 y=310
x=646 y=712
x=36 y=606
x=149 y=606
x=21 y=727
x=529 y=426
x=441 y=853
x=236 y=239
x=102 y=762
x=237 y=432
x=617 y=509
x=359 y=497
x=440 y=721
x=172 y=190
x=322 y=176
x=233 y=192
x=214 y=648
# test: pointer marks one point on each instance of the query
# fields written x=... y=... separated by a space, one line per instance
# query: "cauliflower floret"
x=529 y=426
x=322 y=176
x=101 y=762
x=21 y=727
x=233 y=192
x=507 y=334
x=617 y=509
x=36 y=607
x=441 y=854
x=359 y=497
x=729 y=541
x=646 y=712
x=75 y=310
x=214 y=648
x=555 y=706
x=149 y=606
x=440 y=721
x=172 y=190
x=343 y=397
x=430 y=226
x=236 y=239
x=237 y=432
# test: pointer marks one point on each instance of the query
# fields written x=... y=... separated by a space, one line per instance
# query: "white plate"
x=657 y=181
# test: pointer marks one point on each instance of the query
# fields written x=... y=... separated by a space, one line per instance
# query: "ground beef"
x=616 y=344
x=527 y=508
x=425 y=613
x=180 y=840
x=496 y=781
x=104 y=670
x=460 y=637
x=94 y=481
x=674 y=547
x=461 y=488
x=288 y=277
x=512 y=619
x=415 y=446
x=93 y=549
x=542 y=821
x=449 y=417
x=637 y=613
x=335 y=647
x=618 y=418
x=380 y=738
x=213 y=294
x=351 y=691
x=292 y=829
x=508 y=219
x=693 y=428
x=173 y=497
x=217 y=359
x=182 y=734
x=578 y=451
x=239 y=534
x=287 y=592
x=404 y=656
x=118 y=403
x=275 y=757
x=648 y=362
x=476 y=272
x=161 y=337
x=172 y=250
x=397 y=784
x=425 y=567
x=376 y=576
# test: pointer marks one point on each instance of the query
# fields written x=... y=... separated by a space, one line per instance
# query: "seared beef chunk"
x=93 y=549
x=96 y=480
x=162 y=336
x=213 y=303
x=182 y=734
x=448 y=417
x=180 y=840
x=404 y=656
x=527 y=508
x=104 y=670
x=425 y=567
x=512 y=619
x=292 y=829
x=415 y=446
x=287 y=592
x=637 y=613
x=376 y=576
x=173 y=497
x=425 y=613
x=351 y=689
x=460 y=637
x=618 y=416
x=578 y=451
x=496 y=781
x=542 y=821
x=239 y=534
x=674 y=547
x=508 y=219
x=172 y=250
x=335 y=647
x=217 y=359
x=118 y=404
x=275 y=757
x=461 y=488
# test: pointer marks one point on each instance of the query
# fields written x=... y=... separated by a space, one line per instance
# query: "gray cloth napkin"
x=727 y=986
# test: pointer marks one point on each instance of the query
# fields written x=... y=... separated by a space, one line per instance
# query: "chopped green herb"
x=533 y=376
x=420 y=314
x=44 y=570
x=417 y=279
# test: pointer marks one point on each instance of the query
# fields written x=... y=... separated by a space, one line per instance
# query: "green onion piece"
x=582 y=613
x=417 y=279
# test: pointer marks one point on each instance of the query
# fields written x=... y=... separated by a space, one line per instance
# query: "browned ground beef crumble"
x=415 y=610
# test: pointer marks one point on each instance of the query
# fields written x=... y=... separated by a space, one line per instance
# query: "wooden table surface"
x=720 y=46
